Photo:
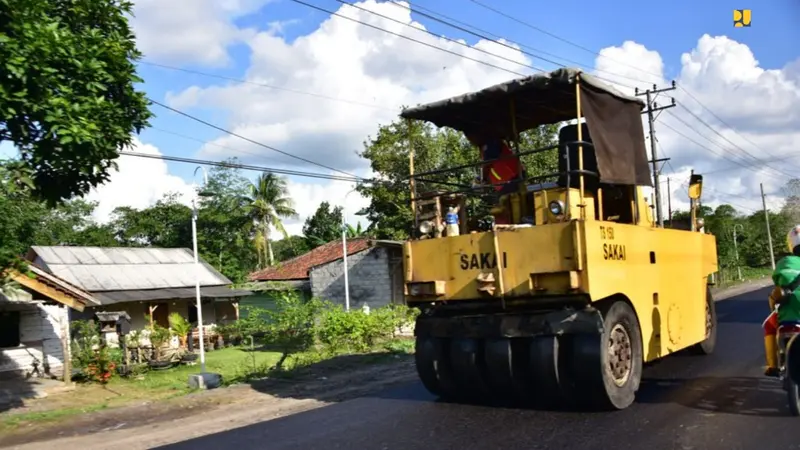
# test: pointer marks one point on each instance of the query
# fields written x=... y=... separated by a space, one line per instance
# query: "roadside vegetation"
x=279 y=342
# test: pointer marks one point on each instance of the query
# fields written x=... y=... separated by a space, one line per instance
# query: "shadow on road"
x=338 y=378
x=746 y=396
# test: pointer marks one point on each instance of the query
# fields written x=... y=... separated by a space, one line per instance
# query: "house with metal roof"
x=34 y=331
x=146 y=283
x=375 y=276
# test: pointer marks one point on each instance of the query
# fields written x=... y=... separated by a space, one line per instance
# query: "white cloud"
x=760 y=104
x=127 y=187
x=308 y=196
x=139 y=183
x=364 y=66
x=345 y=60
x=190 y=31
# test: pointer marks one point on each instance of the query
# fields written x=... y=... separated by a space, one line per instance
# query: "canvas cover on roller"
x=614 y=119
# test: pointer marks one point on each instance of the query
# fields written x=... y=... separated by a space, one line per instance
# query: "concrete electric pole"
x=651 y=108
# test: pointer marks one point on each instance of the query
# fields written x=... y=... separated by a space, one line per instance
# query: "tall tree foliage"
x=268 y=204
x=225 y=230
x=67 y=95
x=25 y=221
x=324 y=226
x=166 y=224
x=389 y=211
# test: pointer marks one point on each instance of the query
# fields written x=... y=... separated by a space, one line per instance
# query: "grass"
x=235 y=364
x=232 y=363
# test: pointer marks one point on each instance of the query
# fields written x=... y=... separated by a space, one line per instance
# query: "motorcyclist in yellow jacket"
x=771 y=324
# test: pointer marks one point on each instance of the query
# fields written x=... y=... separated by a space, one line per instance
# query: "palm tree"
x=268 y=203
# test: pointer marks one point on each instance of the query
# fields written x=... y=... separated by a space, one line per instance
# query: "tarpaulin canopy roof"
x=539 y=99
x=613 y=118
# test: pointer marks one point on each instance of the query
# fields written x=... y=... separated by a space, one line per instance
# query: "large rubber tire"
x=434 y=368
x=544 y=366
x=599 y=385
x=425 y=359
x=502 y=370
x=469 y=370
x=707 y=346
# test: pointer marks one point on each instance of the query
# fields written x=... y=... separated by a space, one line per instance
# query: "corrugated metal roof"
x=97 y=269
x=217 y=292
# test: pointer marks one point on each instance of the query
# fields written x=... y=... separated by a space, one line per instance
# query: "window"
x=9 y=329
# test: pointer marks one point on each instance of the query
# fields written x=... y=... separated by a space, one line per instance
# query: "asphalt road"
x=686 y=402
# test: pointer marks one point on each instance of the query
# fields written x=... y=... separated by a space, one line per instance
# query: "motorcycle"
x=789 y=363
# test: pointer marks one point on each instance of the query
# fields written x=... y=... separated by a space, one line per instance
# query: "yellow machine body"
x=573 y=286
x=662 y=272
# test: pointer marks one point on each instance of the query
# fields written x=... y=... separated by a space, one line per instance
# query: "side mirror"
x=695 y=186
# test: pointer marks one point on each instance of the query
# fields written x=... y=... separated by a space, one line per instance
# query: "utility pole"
x=669 y=202
x=736 y=250
x=651 y=108
x=769 y=232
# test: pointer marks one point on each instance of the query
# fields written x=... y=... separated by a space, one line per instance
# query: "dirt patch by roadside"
x=219 y=409
x=155 y=423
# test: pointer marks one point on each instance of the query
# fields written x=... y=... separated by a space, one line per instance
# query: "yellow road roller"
x=573 y=286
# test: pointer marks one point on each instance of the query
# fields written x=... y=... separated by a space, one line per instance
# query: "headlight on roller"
x=556 y=207
x=426 y=227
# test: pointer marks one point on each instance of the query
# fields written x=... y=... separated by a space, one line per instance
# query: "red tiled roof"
x=297 y=268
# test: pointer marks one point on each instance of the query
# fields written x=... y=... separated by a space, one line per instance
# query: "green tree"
x=67 y=95
x=166 y=224
x=267 y=204
x=26 y=221
x=754 y=250
x=791 y=206
x=324 y=226
x=389 y=211
x=290 y=247
x=225 y=231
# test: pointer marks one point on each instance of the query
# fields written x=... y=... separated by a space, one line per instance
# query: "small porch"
x=220 y=305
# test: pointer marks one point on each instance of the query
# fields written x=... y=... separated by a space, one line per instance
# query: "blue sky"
x=182 y=33
x=669 y=29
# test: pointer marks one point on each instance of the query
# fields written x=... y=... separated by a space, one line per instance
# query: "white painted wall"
x=139 y=314
x=42 y=328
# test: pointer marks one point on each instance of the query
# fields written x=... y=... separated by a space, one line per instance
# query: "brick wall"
x=370 y=279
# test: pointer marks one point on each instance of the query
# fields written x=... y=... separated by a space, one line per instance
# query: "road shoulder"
x=153 y=424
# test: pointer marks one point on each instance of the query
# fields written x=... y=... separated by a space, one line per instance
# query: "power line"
x=209 y=124
x=333 y=13
x=482 y=34
x=574 y=44
x=555 y=36
x=268 y=86
x=693 y=97
x=463 y=44
x=242 y=166
x=722 y=155
x=419 y=42
x=729 y=141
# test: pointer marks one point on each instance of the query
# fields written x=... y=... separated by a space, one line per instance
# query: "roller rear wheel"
x=706 y=347
x=608 y=368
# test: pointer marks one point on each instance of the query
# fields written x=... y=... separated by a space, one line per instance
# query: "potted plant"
x=158 y=337
x=180 y=327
